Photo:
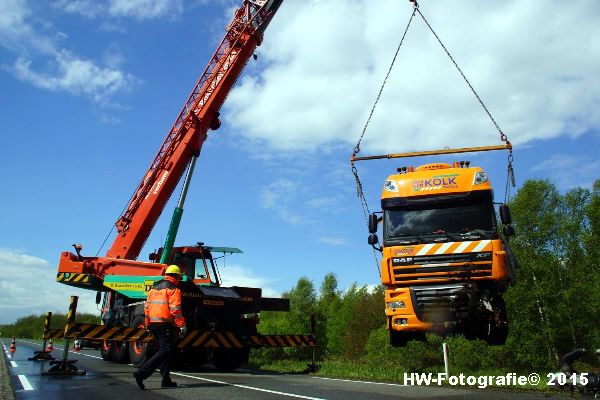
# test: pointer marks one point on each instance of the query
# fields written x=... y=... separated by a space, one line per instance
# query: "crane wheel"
x=140 y=352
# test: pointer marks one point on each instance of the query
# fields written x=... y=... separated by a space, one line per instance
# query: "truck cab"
x=444 y=262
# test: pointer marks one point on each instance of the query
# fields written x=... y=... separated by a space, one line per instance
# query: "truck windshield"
x=431 y=219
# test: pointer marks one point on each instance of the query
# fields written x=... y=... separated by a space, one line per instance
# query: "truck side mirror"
x=508 y=230
x=373 y=239
x=505 y=215
x=98 y=297
x=372 y=223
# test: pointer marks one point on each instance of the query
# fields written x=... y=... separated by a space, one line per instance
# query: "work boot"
x=139 y=380
x=168 y=384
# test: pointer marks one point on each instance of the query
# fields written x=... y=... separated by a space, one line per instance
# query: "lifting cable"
x=359 y=190
x=510 y=178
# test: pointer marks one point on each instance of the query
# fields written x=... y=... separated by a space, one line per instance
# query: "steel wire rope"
x=510 y=173
x=359 y=190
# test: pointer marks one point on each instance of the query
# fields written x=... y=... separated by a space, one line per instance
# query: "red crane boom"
x=185 y=139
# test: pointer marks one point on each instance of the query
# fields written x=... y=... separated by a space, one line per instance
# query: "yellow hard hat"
x=173 y=269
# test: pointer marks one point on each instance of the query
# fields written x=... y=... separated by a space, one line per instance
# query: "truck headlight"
x=390 y=186
x=480 y=177
x=396 y=304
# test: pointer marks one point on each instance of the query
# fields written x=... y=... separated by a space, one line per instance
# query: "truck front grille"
x=442 y=272
x=435 y=304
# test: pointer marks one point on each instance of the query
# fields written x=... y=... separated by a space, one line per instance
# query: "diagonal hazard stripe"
x=200 y=339
x=234 y=340
x=211 y=343
x=461 y=247
x=222 y=340
x=188 y=338
x=425 y=249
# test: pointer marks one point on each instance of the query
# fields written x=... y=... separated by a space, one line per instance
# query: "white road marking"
x=25 y=382
x=14 y=364
x=247 y=387
x=349 y=380
x=61 y=349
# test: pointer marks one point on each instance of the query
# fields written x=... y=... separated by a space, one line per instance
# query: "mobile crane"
x=124 y=280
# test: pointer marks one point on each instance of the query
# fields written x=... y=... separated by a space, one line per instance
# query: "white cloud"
x=280 y=196
x=138 y=9
x=87 y=8
x=569 y=171
x=16 y=34
x=57 y=69
x=235 y=275
x=77 y=76
x=319 y=84
x=29 y=286
x=145 y=9
x=333 y=241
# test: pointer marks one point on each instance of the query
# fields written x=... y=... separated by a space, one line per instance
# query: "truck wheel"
x=139 y=352
x=497 y=336
x=229 y=360
x=106 y=350
x=120 y=352
x=398 y=339
x=498 y=332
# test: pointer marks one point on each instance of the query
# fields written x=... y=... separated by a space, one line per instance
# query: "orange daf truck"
x=444 y=263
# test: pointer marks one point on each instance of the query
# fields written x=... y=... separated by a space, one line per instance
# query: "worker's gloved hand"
x=182 y=331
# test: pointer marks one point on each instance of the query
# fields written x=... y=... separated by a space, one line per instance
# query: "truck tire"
x=497 y=333
x=140 y=352
x=398 y=339
x=120 y=352
x=229 y=360
x=106 y=350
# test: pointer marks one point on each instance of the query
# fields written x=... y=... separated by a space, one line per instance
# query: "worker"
x=163 y=316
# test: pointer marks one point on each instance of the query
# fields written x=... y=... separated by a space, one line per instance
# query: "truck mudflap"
x=195 y=338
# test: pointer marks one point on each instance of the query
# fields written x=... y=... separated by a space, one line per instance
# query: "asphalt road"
x=109 y=380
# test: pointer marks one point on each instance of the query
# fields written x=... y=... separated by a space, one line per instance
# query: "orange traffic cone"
x=49 y=347
x=13 y=345
x=76 y=346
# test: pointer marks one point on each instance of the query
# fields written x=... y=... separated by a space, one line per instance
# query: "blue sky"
x=89 y=89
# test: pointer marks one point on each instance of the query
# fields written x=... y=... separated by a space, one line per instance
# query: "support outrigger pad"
x=64 y=367
x=41 y=356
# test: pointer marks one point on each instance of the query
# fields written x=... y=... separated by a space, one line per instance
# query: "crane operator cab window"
x=196 y=267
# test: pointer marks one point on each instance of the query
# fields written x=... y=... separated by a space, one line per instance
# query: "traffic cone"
x=13 y=345
x=49 y=347
x=76 y=346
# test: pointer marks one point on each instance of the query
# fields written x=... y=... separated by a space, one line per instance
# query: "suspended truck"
x=444 y=263
x=222 y=320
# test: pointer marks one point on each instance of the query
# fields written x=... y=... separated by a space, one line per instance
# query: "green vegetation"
x=552 y=308
x=32 y=327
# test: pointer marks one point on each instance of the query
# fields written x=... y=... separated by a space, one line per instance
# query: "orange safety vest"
x=163 y=304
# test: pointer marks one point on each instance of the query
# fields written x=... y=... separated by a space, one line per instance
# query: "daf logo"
x=403 y=260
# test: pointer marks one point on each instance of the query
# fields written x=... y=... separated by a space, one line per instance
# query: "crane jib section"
x=186 y=137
